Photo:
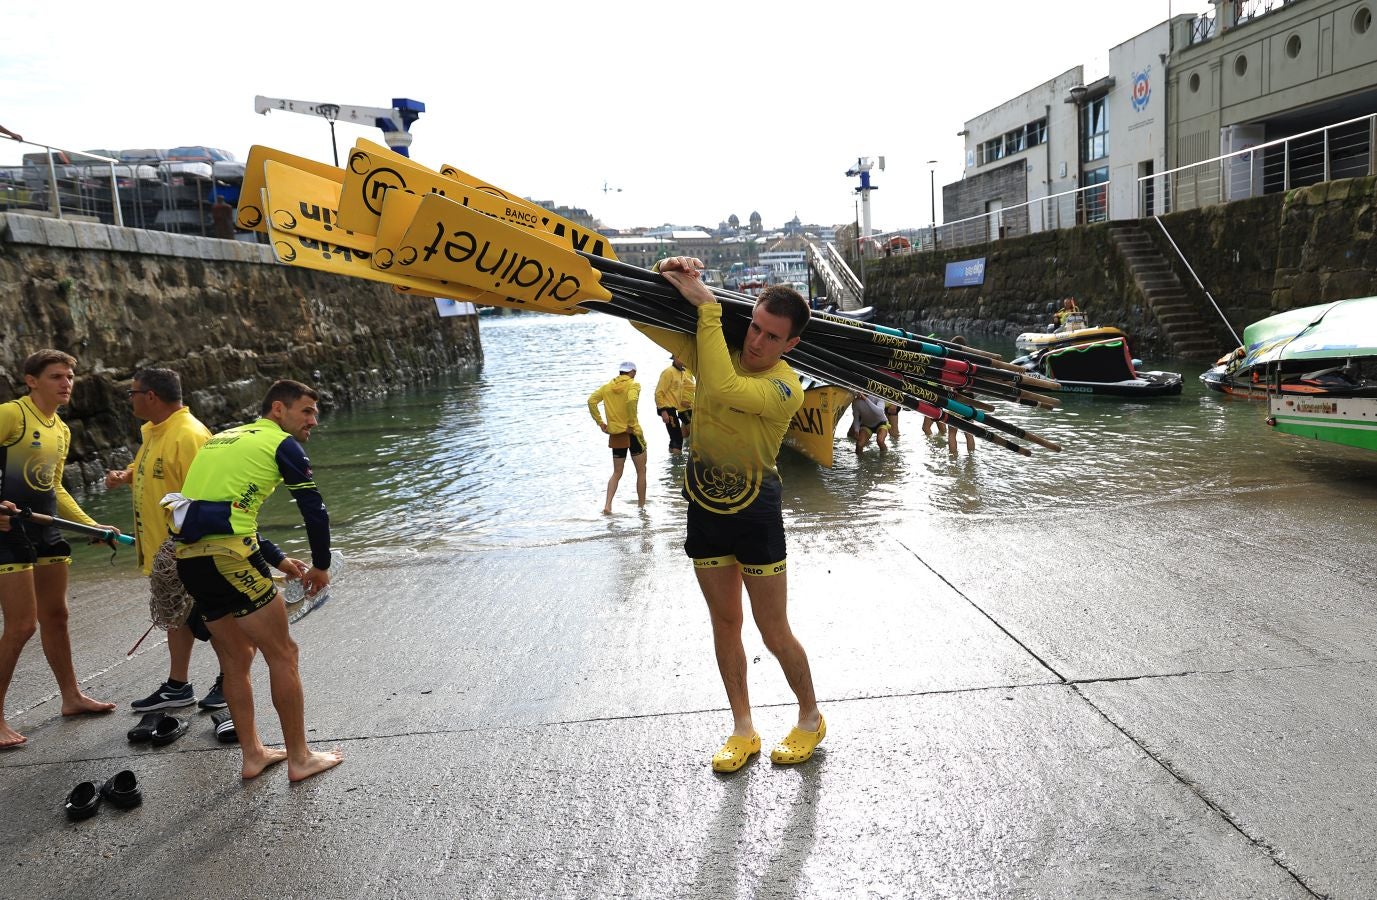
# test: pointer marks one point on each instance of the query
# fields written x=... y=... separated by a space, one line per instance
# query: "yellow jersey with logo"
x=33 y=450
x=739 y=420
x=618 y=398
x=160 y=468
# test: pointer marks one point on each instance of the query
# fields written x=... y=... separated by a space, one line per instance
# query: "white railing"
x=139 y=189
x=1082 y=206
x=62 y=183
x=1342 y=150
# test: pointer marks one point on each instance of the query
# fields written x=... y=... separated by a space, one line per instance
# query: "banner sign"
x=966 y=273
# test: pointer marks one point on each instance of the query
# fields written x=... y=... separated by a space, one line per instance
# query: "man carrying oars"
x=745 y=401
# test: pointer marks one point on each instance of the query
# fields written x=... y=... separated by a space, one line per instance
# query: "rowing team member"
x=744 y=403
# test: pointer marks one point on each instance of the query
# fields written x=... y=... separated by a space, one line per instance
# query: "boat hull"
x=1032 y=340
x=1351 y=421
x=814 y=428
x=1150 y=384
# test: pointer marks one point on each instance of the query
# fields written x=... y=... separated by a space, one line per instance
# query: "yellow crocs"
x=735 y=752
x=799 y=745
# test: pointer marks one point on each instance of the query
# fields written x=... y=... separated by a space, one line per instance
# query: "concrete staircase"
x=1184 y=324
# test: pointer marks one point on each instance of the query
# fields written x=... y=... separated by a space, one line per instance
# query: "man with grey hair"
x=171 y=438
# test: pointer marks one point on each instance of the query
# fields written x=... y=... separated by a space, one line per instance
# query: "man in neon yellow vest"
x=223 y=562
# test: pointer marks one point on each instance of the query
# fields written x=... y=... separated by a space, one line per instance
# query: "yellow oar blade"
x=250 y=215
x=375 y=171
x=456 y=243
x=307 y=205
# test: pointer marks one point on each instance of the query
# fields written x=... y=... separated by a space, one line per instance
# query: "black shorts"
x=685 y=416
x=24 y=546
x=635 y=449
x=756 y=543
x=225 y=585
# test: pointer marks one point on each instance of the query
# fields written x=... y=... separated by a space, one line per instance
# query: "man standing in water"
x=667 y=391
x=224 y=563
x=744 y=403
x=34 y=558
x=619 y=398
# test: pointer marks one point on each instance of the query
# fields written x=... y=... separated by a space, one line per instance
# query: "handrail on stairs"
x=1201 y=284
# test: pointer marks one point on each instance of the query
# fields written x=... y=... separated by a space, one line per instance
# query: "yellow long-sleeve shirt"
x=159 y=468
x=618 y=398
x=33 y=451
x=739 y=419
x=668 y=387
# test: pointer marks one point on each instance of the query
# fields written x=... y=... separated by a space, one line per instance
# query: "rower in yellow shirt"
x=618 y=399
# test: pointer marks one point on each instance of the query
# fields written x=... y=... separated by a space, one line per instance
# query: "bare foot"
x=84 y=705
x=314 y=765
x=253 y=767
x=9 y=737
x=607 y=511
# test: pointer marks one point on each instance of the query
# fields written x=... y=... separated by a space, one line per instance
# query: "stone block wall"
x=221 y=313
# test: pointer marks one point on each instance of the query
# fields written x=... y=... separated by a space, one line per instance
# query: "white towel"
x=178 y=504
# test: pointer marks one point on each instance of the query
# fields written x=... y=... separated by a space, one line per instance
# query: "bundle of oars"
x=448 y=234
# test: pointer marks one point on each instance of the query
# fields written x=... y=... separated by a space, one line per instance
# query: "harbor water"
x=509 y=457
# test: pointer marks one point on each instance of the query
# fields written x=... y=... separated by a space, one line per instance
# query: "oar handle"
x=105 y=534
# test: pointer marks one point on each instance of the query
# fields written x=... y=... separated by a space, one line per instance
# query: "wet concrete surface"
x=1171 y=699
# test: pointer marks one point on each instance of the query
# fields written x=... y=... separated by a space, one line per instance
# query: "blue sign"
x=966 y=273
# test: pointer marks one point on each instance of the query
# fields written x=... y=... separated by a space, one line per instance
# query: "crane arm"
x=395 y=122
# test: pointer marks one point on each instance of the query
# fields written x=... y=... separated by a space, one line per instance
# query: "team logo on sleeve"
x=783 y=389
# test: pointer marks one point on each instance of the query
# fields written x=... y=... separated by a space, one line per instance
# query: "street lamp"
x=1076 y=95
x=932 y=196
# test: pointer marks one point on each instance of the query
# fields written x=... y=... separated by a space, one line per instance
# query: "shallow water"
x=509 y=457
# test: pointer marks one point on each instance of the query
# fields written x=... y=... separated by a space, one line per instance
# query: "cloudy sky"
x=732 y=107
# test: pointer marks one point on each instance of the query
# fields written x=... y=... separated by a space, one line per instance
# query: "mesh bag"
x=168 y=602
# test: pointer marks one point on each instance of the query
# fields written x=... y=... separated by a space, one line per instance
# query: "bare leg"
x=179 y=643
x=722 y=589
x=618 y=463
x=50 y=592
x=266 y=629
x=235 y=652
x=769 y=606
x=17 y=604
x=639 y=462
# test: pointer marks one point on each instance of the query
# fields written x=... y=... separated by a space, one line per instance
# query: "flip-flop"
x=735 y=752
x=144 y=730
x=122 y=790
x=798 y=745
x=224 y=727
x=169 y=728
x=82 y=802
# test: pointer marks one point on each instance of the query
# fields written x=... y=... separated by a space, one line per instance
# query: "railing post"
x=1371 y=141
x=1326 y=154
x=115 y=197
x=1286 y=166
x=54 y=203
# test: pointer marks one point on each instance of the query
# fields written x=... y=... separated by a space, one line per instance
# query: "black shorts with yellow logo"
x=24 y=546
x=225 y=585
x=755 y=543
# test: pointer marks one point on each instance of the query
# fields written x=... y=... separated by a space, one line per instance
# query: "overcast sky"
x=732 y=108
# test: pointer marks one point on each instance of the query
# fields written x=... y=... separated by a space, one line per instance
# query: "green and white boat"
x=1321 y=370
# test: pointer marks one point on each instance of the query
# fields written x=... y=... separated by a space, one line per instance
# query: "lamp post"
x=1077 y=96
x=932 y=196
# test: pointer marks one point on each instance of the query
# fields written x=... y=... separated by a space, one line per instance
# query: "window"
x=1095 y=128
x=1240 y=65
x=1293 y=46
x=1016 y=141
x=1362 y=20
x=1194 y=82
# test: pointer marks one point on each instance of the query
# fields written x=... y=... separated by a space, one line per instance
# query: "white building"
x=1026 y=158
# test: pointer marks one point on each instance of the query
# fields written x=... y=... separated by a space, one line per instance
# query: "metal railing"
x=160 y=194
x=1082 y=206
x=1341 y=150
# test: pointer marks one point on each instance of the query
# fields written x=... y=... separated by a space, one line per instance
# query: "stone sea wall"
x=222 y=313
x=1256 y=257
